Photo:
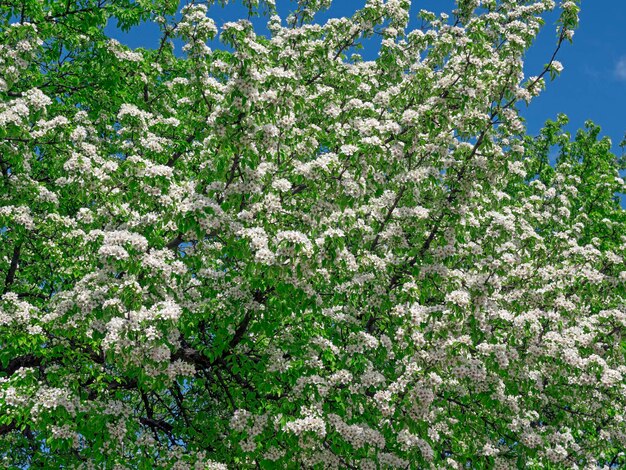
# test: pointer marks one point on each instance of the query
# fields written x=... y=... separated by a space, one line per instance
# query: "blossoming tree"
x=280 y=255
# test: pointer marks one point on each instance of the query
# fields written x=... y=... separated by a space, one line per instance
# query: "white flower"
x=556 y=66
x=458 y=297
x=281 y=185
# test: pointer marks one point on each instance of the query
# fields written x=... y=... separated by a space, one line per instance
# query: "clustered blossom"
x=309 y=423
x=278 y=254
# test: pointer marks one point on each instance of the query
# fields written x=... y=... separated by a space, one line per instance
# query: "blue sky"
x=592 y=85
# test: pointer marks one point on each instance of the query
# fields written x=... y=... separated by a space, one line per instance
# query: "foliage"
x=280 y=255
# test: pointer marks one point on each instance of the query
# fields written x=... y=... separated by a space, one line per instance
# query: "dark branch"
x=28 y=360
x=157 y=424
x=179 y=153
x=15 y=259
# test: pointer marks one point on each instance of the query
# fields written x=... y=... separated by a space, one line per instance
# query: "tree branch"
x=28 y=360
x=15 y=259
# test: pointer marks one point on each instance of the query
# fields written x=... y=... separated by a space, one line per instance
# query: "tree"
x=280 y=255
